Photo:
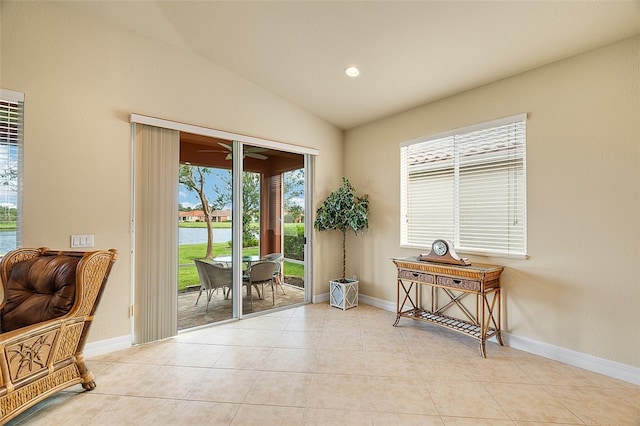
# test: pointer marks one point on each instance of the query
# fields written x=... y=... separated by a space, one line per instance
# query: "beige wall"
x=81 y=81
x=580 y=288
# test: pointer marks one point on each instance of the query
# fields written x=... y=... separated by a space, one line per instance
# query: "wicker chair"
x=213 y=276
x=260 y=273
x=277 y=276
x=48 y=304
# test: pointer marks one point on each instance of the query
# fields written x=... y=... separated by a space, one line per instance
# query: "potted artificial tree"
x=343 y=211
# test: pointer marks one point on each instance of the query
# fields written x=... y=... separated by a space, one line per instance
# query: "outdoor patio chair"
x=277 y=275
x=260 y=273
x=213 y=277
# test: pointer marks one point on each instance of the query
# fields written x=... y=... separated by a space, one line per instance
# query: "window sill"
x=465 y=253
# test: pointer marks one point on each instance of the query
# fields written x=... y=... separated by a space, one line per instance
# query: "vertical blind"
x=156 y=166
x=11 y=139
x=467 y=186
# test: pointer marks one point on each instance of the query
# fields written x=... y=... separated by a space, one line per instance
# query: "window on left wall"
x=11 y=142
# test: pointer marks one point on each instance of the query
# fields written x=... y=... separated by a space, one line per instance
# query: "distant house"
x=192 y=216
x=221 y=215
x=198 y=216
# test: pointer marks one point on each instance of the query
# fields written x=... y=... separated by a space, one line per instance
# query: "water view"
x=185 y=236
x=199 y=235
x=8 y=241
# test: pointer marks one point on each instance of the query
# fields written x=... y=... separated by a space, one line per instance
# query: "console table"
x=455 y=283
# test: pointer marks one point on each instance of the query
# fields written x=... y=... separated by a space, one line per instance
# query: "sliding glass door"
x=273 y=200
x=209 y=206
x=240 y=213
x=205 y=242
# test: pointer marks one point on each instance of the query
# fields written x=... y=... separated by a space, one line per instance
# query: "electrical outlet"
x=81 y=241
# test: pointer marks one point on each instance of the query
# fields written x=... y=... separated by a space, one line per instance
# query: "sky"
x=190 y=198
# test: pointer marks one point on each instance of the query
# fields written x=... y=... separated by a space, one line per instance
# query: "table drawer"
x=420 y=277
x=458 y=283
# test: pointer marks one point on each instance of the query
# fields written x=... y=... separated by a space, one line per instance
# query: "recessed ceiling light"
x=352 y=71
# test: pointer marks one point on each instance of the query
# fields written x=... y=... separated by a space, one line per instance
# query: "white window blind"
x=156 y=163
x=467 y=186
x=11 y=139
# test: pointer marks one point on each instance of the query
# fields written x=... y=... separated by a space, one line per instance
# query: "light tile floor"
x=191 y=315
x=316 y=364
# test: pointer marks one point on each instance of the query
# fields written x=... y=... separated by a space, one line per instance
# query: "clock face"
x=439 y=247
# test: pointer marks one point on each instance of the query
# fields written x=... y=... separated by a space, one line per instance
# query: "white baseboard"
x=367 y=300
x=592 y=363
x=320 y=298
x=102 y=347
x=385 y=305
x=567 y=356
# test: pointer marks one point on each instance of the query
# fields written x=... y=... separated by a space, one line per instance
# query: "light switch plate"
x=78 y=241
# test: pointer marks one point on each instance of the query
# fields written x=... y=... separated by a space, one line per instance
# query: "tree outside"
x=218 y=184
x=193 y=178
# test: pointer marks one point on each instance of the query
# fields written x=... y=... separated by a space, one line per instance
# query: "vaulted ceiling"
x=409 y=53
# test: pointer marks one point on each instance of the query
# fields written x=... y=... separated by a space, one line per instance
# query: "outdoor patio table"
x=247 y=260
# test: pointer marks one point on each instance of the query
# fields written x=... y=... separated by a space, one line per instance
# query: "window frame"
x=12 y=134
x=447 y=225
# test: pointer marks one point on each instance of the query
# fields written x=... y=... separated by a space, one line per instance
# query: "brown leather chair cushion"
x=39 y=289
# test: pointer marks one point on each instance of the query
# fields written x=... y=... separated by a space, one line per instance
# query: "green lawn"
x=204 y=224
x=188 y=276
x=293 y=269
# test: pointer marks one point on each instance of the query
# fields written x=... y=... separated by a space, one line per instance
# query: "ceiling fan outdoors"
x=248 y=152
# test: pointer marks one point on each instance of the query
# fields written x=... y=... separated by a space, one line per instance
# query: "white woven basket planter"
x=343 y=295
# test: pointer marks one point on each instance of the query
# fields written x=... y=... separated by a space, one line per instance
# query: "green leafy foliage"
x=250 y=203
x=343 y=210
x=294 y=247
